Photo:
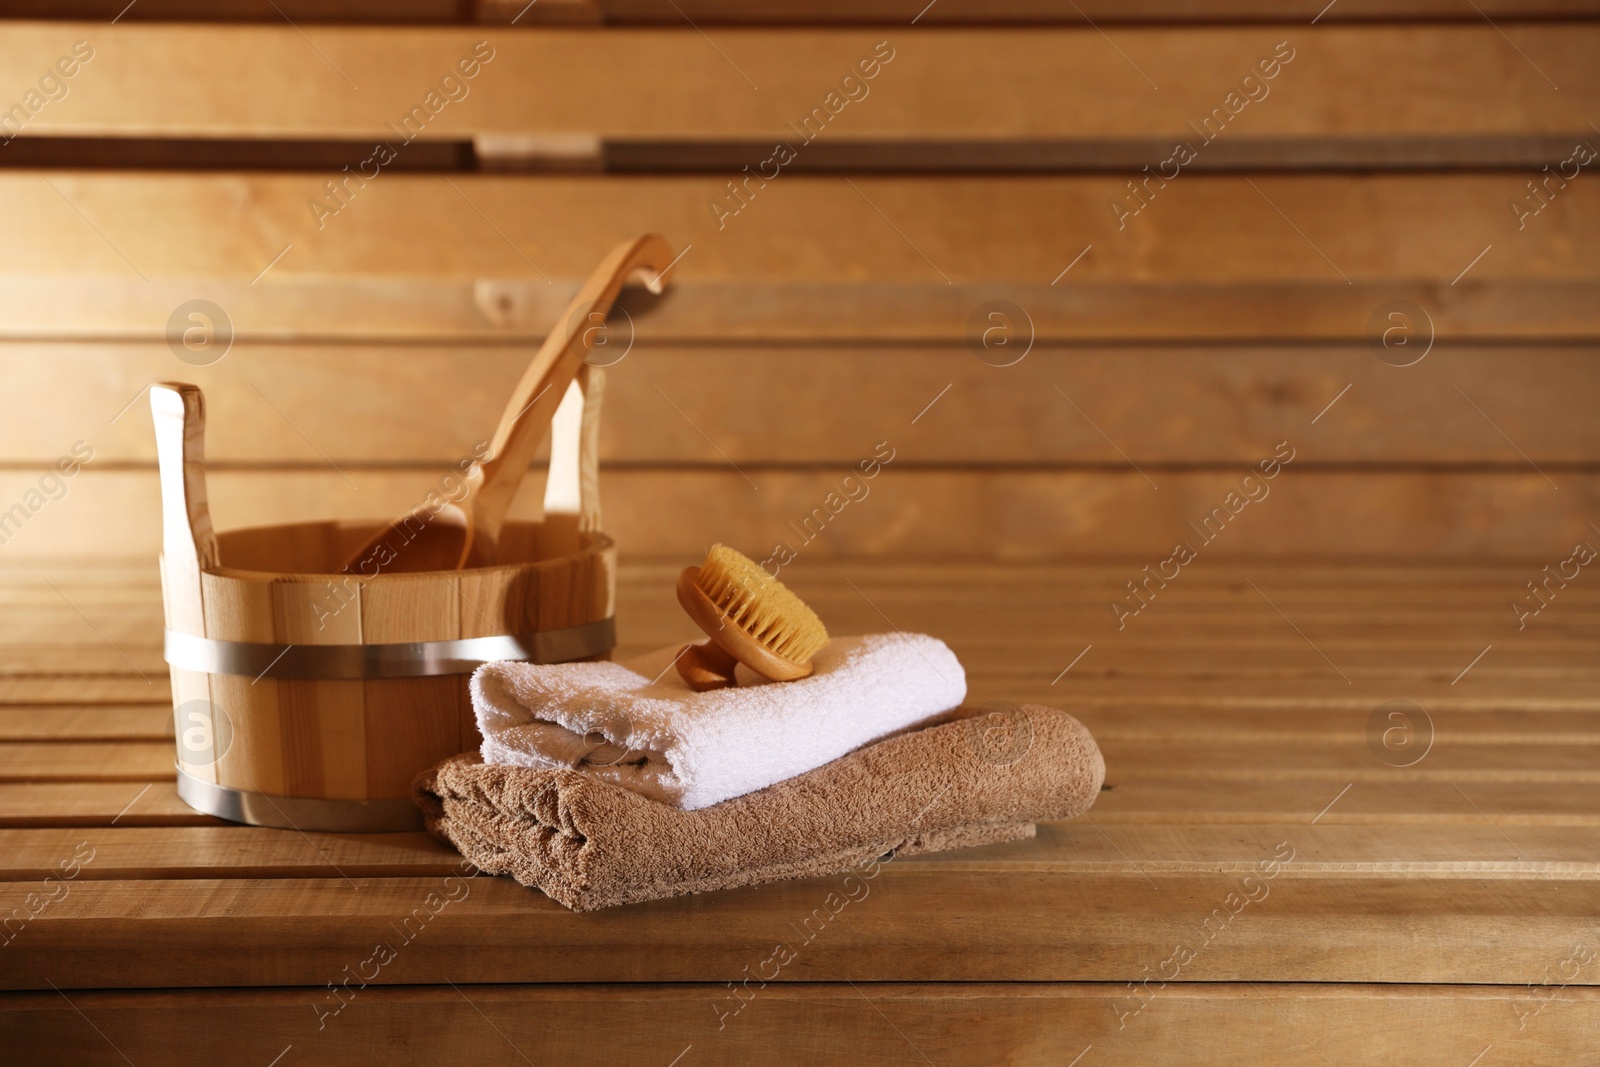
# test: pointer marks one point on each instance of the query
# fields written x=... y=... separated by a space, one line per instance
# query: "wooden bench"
x=1340 y=275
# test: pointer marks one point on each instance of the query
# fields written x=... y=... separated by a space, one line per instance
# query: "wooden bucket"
x=309 y=699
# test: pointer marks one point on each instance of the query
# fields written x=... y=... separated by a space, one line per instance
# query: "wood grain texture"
x=810 y=258
x=1159 y=656
x=242 y=10
x=923 y=921
x=1101 y=11
x=150 y=803
x=811 y=12
x=1307 y=691
x=326 y=767
x=349 y=738
x=1470 y=848
x=918 y=512
x=1138 y=796
x=133 y=761
x=1226 y=735
x=808 y=404
x=1009 y=621
x=400 y=312
x=1224 y=739
x=1342 y=82
x=1442 y=890
x=128 y=722
x=1194 y=1025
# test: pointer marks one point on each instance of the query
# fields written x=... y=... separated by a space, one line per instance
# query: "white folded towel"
x=637 y=724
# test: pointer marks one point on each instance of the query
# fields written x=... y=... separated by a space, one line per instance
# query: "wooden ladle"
x=466 y=533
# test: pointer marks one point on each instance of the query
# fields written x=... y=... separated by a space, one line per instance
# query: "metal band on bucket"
x=298 y=813
x=415 y=659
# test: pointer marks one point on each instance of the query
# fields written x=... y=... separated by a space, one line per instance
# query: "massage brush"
x=750 y=617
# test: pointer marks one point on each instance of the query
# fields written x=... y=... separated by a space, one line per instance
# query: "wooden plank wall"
x=1372 y=263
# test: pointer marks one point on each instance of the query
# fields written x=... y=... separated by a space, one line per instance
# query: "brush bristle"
x=761 y=606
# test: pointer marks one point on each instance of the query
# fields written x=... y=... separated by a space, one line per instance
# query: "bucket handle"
x=572 y=489
x=188 y=541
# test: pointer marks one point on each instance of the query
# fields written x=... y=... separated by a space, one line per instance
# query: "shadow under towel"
x=977 y=776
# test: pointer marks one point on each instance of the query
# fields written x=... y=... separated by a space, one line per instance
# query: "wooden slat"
x=1151 y=797
x=1310 y=691
x=1464 y=726
x=1369 y=668
x=1101 y=11
x=107 y=306
x=831 y=404
x=533 y=154
x=55 y=660
x=1147 y=797
x=143 y=722
x=1186 y=1025
x=1469 y=848
x=1221 y=593
x=1555 y=652
x=1342 y=84
x=1487 y=727
x=243 y=10
x=349 y=82
x=1338 y=588
x=1214 y=626
x=133 y=761
x=921 y=513
x=231 y=852
x=1021 y=156
x=921 y=919
x=96 y=804
x=827 y=12
x=1211 y=624
x=1575 y=765
x=1306 y=684
x=76 y=690
x=812 y=258
x=1313 y=688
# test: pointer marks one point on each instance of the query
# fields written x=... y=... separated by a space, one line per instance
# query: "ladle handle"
x=545 y=383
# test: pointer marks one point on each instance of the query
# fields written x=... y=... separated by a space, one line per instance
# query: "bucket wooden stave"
x=309 y=699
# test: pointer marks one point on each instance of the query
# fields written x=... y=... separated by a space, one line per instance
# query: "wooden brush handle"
x=544 y=384
x=708 y=666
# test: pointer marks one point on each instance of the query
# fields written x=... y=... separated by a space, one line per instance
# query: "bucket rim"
x=593 y=543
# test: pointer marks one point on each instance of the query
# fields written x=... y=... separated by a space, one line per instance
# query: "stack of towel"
x=612 y=783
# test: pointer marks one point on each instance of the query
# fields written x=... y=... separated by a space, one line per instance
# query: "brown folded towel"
x=977 y=776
